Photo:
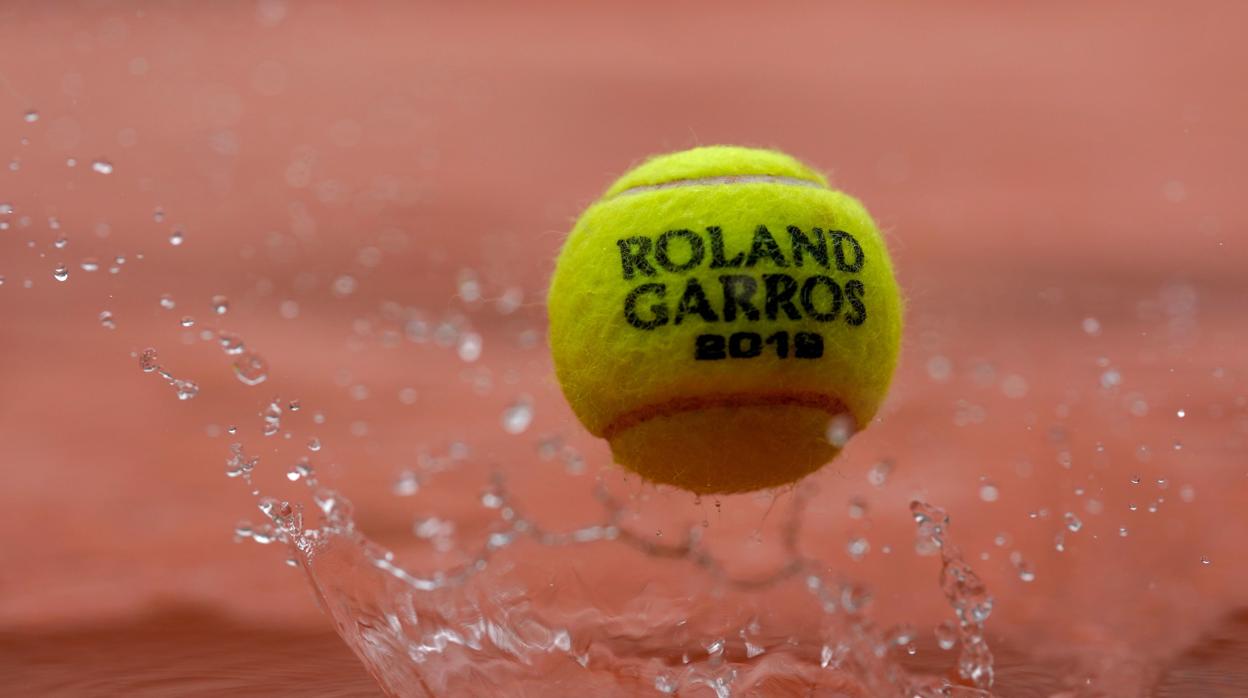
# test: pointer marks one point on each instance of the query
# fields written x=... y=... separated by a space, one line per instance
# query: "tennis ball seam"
x=789 y=398
x=725 y=180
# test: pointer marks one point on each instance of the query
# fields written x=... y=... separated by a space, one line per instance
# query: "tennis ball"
x=724 y=319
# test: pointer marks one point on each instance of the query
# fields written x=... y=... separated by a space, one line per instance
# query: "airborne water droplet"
x=31 y=116
x=147 y=360
x=988 y=492
x=857 y=548
x=878 y=474
x=188 y=321
x=186 y=389
x=102 y=167
x=176 y=238
x=166 y=302
x=220 y=305
x=231 y=344
x=60 y=273
x=946 y=635
x=344 y=286
x=840 y=429
x=517 y=417
x=470 y=347
x=106 y=318
x=251 y=369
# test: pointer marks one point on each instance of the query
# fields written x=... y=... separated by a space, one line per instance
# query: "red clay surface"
x=1033 y=166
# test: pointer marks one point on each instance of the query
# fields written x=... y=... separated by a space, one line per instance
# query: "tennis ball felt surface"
x=720 y=312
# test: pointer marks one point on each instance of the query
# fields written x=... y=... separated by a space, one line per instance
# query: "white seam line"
x=730 y=179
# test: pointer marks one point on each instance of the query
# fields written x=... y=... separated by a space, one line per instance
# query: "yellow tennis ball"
x=724 y=319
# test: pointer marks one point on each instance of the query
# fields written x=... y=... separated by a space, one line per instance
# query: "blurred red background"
x=1033 y=164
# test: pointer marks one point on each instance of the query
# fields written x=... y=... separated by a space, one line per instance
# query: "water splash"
x=964 y=590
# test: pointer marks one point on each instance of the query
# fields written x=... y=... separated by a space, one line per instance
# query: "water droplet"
x=272 y=415
x=857 y=508
x=166 y=302
x=251 y=369
x=855 y=598
x=1014 y=386
x=470 y=347
x=1059 y=542
x=71 y=162
x=510 y=301
x=314 y=444
x=1181 y=413
x=939 y=368
x=293 y=406
x=186 y=389
x=187 y=321
x=60 y=273
x=263 y=534
x=878 y=474
x=517 y=417
x=220 y=305
x=31 y=116
x=158 y=215
x=946 y=635
x=1205 y=560
x=90 y=264
x=299 y=471
x=1162 y=483
x=857 y=548
x=1092 y=326
x=1025 y=571
x=1122 y=532
x=469 y=287
x=840 y=430
x=1111 y=378
x=344 y=286
x=1135 y=479
x=147 y=360
x=102 y=166
x=61 y=242
x=177 y=237
x=406 y=485
x=1073 y=524
x=106 y=318
x=231 y=343
x=989 y=492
